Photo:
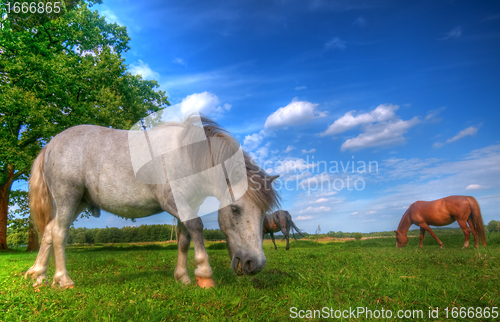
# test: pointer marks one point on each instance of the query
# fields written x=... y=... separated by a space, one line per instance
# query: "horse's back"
x=94 y=162
x=441 y=212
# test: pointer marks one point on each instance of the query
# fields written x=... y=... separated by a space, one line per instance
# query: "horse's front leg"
x=422 y=233
x=39 y=270
x=272 y=237
x=203 y=272
x=183 y=241
x=429 y=230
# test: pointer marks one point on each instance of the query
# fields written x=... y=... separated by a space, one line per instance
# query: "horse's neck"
x=405 y=222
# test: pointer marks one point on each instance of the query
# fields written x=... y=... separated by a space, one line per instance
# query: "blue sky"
x=412 y=87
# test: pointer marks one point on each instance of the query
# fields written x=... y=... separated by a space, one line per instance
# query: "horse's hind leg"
x=474 y=232
x=286 y=233
x=39 y=270
x=183 y=241
x=422 y=233
x=66 y=213
x=429 y=230
x=466 y=230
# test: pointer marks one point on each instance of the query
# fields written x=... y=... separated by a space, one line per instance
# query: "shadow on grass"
x=271 y=279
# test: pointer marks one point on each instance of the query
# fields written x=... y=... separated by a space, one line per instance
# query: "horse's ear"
x=272 y=178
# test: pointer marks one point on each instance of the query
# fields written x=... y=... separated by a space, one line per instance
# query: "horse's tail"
x=292 y=225
x=40 y=199
x=477 y=219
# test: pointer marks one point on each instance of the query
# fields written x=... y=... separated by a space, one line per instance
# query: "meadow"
x=130 y=282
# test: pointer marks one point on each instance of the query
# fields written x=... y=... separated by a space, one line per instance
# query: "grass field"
x=124 y=282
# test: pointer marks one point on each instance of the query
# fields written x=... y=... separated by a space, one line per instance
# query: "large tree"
x=57 y=71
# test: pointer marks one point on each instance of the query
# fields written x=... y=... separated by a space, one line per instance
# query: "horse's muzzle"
x=249 y=265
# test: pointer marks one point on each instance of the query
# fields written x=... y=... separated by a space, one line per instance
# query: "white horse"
x=90 y=167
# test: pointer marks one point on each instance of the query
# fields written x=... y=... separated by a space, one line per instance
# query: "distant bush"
x=217 y=246
x=493 y=226
x=357 y=236
x=16 y=239
x=142 y=233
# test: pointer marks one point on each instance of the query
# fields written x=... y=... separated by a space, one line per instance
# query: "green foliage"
x=357 y=236
x=61 y=70
x=493 y=226
x=136 y=283
x=18 y=239
x=213 y=234
x=143 y=233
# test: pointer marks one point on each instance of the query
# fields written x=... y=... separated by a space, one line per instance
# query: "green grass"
x=125 y=282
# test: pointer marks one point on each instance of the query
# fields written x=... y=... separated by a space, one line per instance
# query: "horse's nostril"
x=249 y=266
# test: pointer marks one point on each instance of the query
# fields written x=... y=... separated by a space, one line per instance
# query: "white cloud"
x=315 y=209
x=360 y=21
x=310 y=151
x=297 y=112
x=288 y=149
x=381 y=113
x=473 y=187
x=471 y=130
x=320 y=200
x=382 y=127
x=381 y=134
x=453 y=34
x=143 y=69
x=110 y=17
x=179 y=61
x=206 y=103
x=468 y=131
x=299 y=88
x=251 y=142
x=303 y=218
x=335 y=43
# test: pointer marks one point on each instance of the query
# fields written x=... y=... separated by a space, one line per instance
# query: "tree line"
x=129 y=234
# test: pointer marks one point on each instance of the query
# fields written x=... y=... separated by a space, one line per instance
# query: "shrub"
x=357 y=236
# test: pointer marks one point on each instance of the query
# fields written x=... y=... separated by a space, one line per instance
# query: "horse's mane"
x=221 y=146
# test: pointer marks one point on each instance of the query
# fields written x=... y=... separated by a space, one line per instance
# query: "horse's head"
x=401 y=239
x=241 y=221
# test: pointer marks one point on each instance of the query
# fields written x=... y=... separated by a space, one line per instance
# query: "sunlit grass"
x=135 y=282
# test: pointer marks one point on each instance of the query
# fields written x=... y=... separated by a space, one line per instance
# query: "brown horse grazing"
x=280 y=220
x=442 y=212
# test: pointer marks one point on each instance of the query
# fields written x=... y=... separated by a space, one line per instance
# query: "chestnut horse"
x=280 y=220
x=442 y=212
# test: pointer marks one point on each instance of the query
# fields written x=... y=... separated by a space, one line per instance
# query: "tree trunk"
x=32 y=238
x=4 y=206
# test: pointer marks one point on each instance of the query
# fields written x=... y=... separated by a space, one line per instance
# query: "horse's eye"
x=235 y=210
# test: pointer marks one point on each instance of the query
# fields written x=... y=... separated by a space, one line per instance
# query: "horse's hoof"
x=204 y=282
x=63 y=286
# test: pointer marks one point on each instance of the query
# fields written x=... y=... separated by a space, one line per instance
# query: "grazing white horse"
x=91 y=167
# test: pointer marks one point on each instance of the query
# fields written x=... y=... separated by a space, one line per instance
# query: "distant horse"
x=90 y=167
x=442 y=212
x=280 y=220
